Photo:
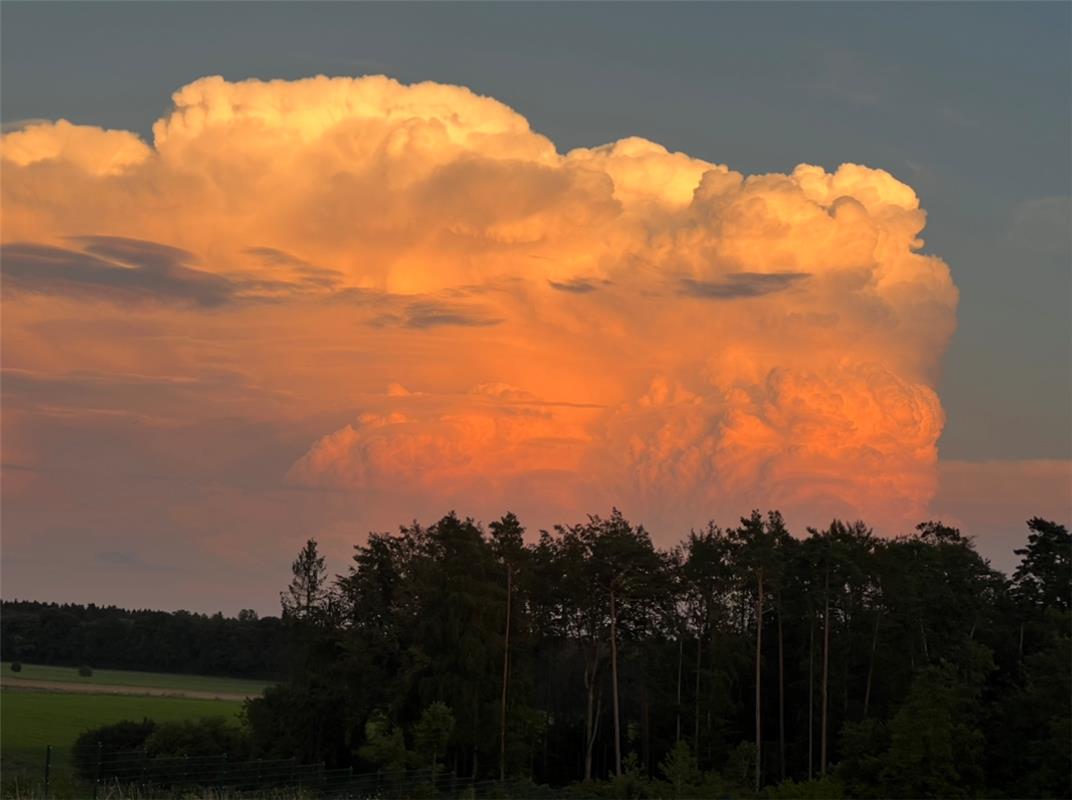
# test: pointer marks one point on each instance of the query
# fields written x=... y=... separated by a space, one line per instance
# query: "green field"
x=30 y=720
x=118 y=677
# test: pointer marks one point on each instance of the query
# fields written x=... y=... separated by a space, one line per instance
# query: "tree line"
x=152 y=641
x=743 y=660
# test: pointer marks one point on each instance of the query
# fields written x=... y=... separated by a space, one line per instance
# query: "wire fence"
x=134 y=774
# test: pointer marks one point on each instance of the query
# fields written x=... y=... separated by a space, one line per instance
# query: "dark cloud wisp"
x=108 y=268
x=741 y=285
x=575 y=286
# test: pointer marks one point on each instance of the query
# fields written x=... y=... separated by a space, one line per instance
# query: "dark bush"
x=110 y=744
x=16 y=666
x=85 y=671
x=210 y=736
x=148 y=752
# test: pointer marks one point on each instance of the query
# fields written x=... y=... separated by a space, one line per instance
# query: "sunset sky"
x=282 y=271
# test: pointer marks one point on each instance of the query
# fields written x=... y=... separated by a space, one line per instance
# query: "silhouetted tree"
x=303 y=600
x=508 y=541
x=1044 y=576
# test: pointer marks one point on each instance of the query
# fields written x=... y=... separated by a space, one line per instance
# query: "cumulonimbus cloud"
x=612 y=324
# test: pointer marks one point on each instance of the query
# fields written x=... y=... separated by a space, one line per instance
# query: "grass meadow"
x=119 y=677
x=31 y=719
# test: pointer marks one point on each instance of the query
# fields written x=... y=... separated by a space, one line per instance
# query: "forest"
x=743 y=661
x=107 y=637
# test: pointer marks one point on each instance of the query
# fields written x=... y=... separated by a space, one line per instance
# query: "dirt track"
x=97 y=688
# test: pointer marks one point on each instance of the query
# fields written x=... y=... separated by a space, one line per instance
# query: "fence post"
x=96 y=777
x=48 y=767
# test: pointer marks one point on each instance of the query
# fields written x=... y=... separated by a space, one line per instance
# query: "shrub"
x=16 y=666
x=85 y=671
x=111 y=752
x=432 y=733
x=679 y=769
x=827 y=788
x=741 y=765
x=108 y=743
x=209 y=736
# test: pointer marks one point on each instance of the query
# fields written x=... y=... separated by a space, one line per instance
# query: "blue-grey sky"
x=117 y=491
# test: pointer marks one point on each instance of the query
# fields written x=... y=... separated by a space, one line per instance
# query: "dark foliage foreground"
x=453 y=661
x=742 y=660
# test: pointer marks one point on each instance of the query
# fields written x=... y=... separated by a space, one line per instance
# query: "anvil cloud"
x=453 y=313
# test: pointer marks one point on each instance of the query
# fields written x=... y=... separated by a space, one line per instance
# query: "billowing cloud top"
x=481 y=319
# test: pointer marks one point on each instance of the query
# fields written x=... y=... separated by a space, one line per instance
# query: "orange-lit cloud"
x=474 y=318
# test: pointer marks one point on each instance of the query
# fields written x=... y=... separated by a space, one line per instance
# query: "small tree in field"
x=85 y=671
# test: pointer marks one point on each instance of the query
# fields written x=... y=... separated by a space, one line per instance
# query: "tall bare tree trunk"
x=781 y=692
x=592 y=712
x=680 y=659
x=614 y=685
x=713 y=650
x=846 y=663
x=593 y=734
x=506 y=678
x=476 y=728
x=696 y=700
x=871 y=664
x=811 y=689
x=645 y=726
x=759 y=650
x=923 y=635
x=826 y=673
